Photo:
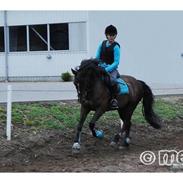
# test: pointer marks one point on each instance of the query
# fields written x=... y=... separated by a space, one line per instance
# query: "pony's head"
x=85 y=78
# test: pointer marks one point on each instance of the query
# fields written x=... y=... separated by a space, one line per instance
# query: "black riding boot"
x=114 y=91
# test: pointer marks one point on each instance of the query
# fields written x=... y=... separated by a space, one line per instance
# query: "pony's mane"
x=91 y=66
x=88 y=64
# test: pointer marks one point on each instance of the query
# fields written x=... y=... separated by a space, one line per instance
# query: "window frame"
x=27 y=37
x=3 y=43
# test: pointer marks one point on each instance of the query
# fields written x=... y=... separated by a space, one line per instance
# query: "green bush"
x=66 y=76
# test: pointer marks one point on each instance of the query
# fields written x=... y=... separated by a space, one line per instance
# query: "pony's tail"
x=148 y=100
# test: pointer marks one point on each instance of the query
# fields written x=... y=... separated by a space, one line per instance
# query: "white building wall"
x=1 y=18
x=2 y=66
x=23 y=64
x=151 y=43
x=41 y=17
x=37 y=64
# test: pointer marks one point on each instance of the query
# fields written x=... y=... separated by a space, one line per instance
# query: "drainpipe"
x=6 y=42
x=88 y=36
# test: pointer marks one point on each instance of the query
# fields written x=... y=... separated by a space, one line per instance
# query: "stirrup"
x=114 y=104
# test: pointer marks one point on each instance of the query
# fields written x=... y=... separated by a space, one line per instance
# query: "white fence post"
x=9 y=108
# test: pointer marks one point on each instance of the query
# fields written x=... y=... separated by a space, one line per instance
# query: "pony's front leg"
x=77 y=140
x=95 y=117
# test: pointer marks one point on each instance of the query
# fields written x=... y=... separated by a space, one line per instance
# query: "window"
x=1 y=39
x=38 y=37
x=77 y=36
x=59 y=36
x=17 y=37
x=45 y=37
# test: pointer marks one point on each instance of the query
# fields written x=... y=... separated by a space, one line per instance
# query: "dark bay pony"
x=92 y=84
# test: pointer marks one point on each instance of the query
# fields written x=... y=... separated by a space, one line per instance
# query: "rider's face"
x=111 y=38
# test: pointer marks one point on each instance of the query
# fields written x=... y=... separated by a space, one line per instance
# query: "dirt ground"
x=32 y=150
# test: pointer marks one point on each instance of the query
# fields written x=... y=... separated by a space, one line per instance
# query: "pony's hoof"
x=113 y=144
x=121 y=147
x=126 y=142
x=76 y=148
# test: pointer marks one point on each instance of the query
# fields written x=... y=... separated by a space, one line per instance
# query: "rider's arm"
x=115 y=64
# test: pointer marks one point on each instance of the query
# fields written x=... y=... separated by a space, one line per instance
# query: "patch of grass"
x=45 y=116
x=62 y=116
x=138 y=115
x=165 y=110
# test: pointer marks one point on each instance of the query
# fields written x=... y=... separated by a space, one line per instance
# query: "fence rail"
x=9 y=91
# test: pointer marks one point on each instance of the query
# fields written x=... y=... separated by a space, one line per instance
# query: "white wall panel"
x=1 y=18
x=37 y=64
x=2 y=65
x=77 y=36
x=151 y=42
x=44 y=17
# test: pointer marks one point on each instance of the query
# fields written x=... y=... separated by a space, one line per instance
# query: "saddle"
x=122 y=86
x=118 y=87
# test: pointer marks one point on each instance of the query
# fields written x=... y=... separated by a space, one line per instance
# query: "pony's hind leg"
x=118 y=135
x=126 y=140
x=126 y=115
x=124 y=135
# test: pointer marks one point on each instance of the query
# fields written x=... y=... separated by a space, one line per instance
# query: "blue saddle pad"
x=123 y=87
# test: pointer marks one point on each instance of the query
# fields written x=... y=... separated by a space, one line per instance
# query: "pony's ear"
x=74 y=71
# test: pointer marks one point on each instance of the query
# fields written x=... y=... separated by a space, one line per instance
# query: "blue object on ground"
x=99 y=134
